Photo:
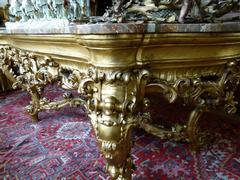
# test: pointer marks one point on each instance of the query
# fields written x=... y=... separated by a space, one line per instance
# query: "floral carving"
x=28 y=70
x=32 y=73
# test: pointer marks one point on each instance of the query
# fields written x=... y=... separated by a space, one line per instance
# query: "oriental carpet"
x=62 y=145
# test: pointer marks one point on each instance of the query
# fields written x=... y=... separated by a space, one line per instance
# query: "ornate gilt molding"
x=211 y=90
x=205 y=93
x=114 y=95
x=113 y=98
x=32 y=72
x=27 y=68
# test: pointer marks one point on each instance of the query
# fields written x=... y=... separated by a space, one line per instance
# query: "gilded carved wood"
x=205 y=93
x=114 y=99
x=32 y=73
x=136 y=47
x=113 y=74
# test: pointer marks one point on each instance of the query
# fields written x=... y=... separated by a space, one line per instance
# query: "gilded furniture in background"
x=5 y=84
x=114 y=60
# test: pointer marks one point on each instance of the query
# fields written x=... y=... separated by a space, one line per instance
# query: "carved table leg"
x=113 y=130
x=31 y=72
x=112 y=102
x=193 y=129
x=115 y=144
x=34 y=106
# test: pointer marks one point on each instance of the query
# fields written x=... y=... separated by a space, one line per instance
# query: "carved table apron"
x=114 y=65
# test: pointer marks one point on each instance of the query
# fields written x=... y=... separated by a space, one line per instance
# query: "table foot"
x=115 y=144
x=34 y=107
x=195 y=136
x=34 y=118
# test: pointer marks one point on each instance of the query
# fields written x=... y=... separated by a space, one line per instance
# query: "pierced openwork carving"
x=29 y=70
x=115 y=98
x=112 y=101
x=204 y=92
x=32 y=72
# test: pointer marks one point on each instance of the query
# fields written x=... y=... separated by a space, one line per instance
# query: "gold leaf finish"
x=112 y=74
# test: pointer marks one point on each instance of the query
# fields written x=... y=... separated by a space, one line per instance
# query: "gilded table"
x=113 y=65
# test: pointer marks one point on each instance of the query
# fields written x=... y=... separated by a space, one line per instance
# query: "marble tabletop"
x=64 y=27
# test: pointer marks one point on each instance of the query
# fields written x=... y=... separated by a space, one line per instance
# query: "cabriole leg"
x=115 y=144
x=193 y=130
x=112 y=124
x=113 y=98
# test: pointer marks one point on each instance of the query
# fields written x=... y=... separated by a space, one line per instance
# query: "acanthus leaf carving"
x=32 y=72
x=28 y=70
x=204 y=93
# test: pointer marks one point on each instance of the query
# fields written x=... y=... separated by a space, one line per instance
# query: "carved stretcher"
x=113 y=66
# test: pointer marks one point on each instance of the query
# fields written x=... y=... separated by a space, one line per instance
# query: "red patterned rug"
x=62 y=145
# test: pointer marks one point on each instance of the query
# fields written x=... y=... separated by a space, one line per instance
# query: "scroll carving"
x=28 y=70
x=32 y=73
x=112 y=100
x=211 y=90
x=115 y=98
x=204 y=92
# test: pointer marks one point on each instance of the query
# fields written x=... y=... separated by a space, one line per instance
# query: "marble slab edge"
x=119 y=28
